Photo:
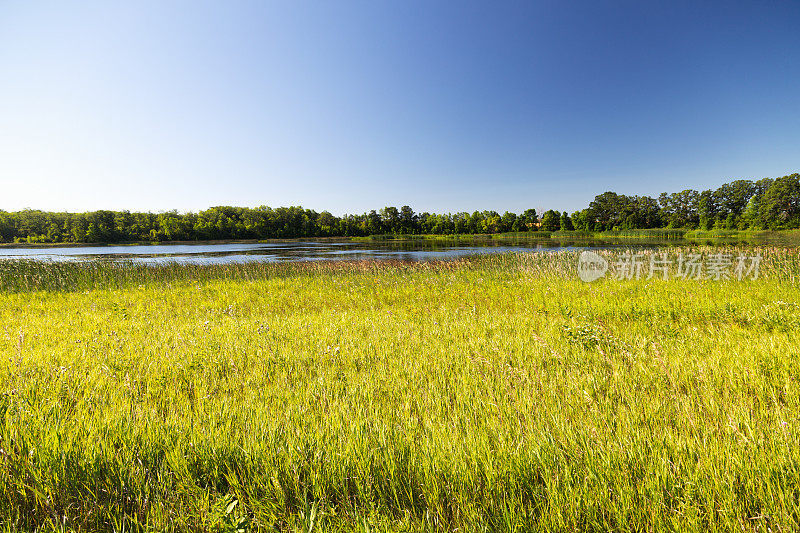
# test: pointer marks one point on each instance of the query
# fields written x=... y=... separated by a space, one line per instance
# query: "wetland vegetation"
x=492 y=393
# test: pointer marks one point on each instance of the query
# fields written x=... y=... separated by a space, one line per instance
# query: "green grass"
x=662 y=234
x=528 y=235
x=780 y=237
x=488 y=394
x=658 y=236
x=724 y=233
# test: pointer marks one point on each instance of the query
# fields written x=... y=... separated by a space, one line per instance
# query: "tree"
x=490 y=222
x=408 y=220
x=753 y=210
x=390 y=217
x=707 y=209
x=174 y=227
x=565 y=223
x=739 y=204
x=551 y=220
x=609 y=209
x=780 y=206
x=326 y=223
x=123 y=224
x=7 y=229
x=732 y=198
x=77 y=227
x=644 y=212
x=529 y=220
x=582 y=220
x=680 y=209
x=461 y=223
x=476 y=222
x=508 y=222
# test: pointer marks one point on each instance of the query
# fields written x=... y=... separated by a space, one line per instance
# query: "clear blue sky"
x=350 y=106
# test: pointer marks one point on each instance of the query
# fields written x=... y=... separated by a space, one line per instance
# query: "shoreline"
x=688 y=235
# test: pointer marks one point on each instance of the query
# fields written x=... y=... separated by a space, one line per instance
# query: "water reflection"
x=308 y=250
x=275 y=252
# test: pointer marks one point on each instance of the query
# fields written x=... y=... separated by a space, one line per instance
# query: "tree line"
x=741 y=204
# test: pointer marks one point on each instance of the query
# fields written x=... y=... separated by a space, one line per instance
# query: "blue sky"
x=350 y=106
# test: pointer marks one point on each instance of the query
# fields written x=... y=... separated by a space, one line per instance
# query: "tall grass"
x=668 y=234
x=494 y=393
x=26 y=275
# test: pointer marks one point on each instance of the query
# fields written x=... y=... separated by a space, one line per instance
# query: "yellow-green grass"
x=490 y=394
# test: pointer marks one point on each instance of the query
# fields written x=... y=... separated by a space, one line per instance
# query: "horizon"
x=346 y=109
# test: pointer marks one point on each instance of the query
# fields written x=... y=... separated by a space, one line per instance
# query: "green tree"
x=680 y=209
x=732 y=198
x=582 y=220
x=707 y=209
x=461 y=223
x=327 y=223
x=408 y=220
x=508 y=221
x=608 y=209
x=565 y=223
x=475 y=222
x=373 y=223
x=390 y=217
x=529 y=220
x=780 y=206
x=7 y=229
x=551 y=220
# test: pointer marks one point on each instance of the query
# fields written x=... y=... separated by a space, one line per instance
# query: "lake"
x=336 y=250
x=307 y=250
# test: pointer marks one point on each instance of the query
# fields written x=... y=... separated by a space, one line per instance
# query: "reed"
x=493 y=393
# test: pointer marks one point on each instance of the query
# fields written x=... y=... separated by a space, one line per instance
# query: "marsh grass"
x=663 y=234
x=494 y=393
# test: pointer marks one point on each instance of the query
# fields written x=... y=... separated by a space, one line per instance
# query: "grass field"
x=489 y=394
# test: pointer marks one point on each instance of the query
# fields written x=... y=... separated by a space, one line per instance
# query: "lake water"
x=280 y=251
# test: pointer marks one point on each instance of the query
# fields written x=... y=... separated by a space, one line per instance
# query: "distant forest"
x=742 y=204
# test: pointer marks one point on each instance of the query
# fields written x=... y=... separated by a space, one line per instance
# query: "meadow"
x=495 y=393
